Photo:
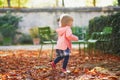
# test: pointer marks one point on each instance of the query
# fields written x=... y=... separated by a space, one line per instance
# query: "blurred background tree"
x=57 y=3
x=94 y=2
x=118 y=2
x=13 y=3
x=8 y=1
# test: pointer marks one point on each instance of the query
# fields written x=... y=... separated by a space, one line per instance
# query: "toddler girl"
x=65 y=37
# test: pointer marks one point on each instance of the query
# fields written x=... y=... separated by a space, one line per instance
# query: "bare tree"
x=118 y=2
x=63 y=3
x=9 y=4
x=56 y=3
x=94 y=3
x=19 y=3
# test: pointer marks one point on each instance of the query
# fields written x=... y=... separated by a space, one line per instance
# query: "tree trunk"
x=18 y=3
x=63 y=4
x=56 y=3
x=118 y=2
x=9 y=5
x=94 y=3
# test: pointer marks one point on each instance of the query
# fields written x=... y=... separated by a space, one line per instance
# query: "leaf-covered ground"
x=25 y=65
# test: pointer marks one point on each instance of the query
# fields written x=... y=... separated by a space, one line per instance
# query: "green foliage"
x=9 y=25
x=118 y=2
x=97 y=24
x=13 y=3
x=77 y=30
x=34 y=32
x=1 y=2
x=25 y=39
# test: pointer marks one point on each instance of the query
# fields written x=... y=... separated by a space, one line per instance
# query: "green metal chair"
x=92 y=42
x=105 y=37
x=76 y=30
x=80 y=41
x=45 y=38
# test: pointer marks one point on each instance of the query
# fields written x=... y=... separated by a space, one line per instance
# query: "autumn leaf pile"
x=25 y=65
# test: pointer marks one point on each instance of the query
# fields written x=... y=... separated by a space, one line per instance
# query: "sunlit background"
x=56 y=3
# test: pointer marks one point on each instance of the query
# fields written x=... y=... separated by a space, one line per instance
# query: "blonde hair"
x=65 y=19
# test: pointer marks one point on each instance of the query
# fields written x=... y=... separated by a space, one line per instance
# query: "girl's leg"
x=65 y=62
x=58 y=59
x=59 y=54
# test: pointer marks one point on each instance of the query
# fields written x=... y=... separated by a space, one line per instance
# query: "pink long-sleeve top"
x=65 y=37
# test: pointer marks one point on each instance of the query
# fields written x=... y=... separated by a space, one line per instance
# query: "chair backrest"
x=95 y=35
x=78 y=32
x=107 y=30
x=106 y=34
x=44 y=33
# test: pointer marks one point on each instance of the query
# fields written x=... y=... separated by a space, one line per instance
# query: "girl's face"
x=70 y=23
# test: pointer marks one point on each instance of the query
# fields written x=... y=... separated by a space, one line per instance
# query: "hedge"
x=98 y=23
x=8 y=27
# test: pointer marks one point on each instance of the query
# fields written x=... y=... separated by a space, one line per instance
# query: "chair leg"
x=51 y=55
x=89 y=52
x=102 y=47
x=94 y=49
x=84 y=48
x=52 y=47
x=40 y=50
x=79 y=49
x=90 y=48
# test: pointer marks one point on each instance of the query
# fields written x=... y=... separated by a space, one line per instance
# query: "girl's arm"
x=70 y=36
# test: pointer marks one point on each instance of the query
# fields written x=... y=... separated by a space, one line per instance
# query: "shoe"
x=65 y=71
x=53 y=65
